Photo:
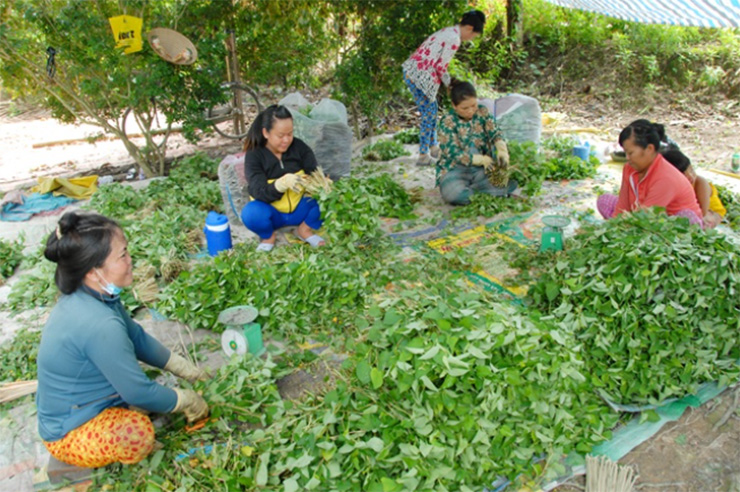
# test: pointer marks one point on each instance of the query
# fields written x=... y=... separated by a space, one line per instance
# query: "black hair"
x=679 y=160
x=81 y=242
x=264 y=120
x=644 y=133
x=459 y=91
x=657 y=126
x=474 y=18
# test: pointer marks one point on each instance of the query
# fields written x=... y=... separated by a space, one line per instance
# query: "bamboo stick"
x=17 y=389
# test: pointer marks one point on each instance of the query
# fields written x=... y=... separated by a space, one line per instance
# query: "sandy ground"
x=31 y=146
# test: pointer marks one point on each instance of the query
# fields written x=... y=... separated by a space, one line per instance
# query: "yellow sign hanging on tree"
x=127 y=32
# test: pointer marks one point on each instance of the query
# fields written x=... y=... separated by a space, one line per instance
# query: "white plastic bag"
x=519 y=118
x=326 y=131
x=294 y=100
x=329 y=110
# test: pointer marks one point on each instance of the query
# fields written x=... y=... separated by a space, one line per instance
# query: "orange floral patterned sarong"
x=116 y=434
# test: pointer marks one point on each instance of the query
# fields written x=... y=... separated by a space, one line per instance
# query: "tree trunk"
x=514 y=22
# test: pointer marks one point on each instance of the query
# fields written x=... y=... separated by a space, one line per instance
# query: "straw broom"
x=604 y=475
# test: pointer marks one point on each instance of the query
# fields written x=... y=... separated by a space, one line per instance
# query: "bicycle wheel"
x=232 y=119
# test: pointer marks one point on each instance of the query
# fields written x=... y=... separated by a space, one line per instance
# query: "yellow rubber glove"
x=191 y=404
x=502 y=153
x=482 y=160
x=181 y=367
x=286 y=182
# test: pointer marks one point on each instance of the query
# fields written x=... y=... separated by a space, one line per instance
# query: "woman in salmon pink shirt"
x=648 y=180
x=426 y=69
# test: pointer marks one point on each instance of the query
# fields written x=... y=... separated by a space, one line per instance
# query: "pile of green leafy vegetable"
x=163 y=223
x=531 y=167
x=352 y=209
x=651 y=301
x=484 y=205
x=11 y=255
x=407 y=136
x=35 y=287
x=385 y=150
x=562 y=164
x=731 y=201
x=443 y=389
x=525 y=166
x=18 y=357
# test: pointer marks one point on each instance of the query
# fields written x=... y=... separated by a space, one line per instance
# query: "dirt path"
x=28 y=150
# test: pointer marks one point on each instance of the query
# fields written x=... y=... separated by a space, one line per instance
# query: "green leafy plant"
x=35 y=288
x=526 y=167
x=352 y=208
x=653 y=302
x=437 y=378
x=11 y=255
x=562 y=164
x=407 y=136
x=384 y=150
x=163 y=224
x=18 y=356
x=483 y=205
x=99 y=85
x=731 y=201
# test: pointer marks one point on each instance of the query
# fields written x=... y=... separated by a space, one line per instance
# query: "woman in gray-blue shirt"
x=88 y=361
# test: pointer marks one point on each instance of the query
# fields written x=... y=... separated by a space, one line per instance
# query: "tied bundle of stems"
x=145 y=286
x=317 y=182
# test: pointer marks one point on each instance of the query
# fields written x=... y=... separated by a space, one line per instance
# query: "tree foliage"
x=95 y=83
x=386 y=33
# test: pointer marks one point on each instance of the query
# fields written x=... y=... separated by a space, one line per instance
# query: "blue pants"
x=428 y=110
x=262 y=218
x=461 y=182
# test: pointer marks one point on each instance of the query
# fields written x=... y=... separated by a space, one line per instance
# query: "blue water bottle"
x=218 y=233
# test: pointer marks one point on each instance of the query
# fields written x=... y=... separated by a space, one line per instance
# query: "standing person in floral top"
x=475 y=159
x=426 y=69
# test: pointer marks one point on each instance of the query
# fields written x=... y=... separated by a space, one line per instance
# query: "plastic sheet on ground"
x=21 y=450
x=33 y=205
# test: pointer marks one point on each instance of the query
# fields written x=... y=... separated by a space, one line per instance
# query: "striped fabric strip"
x=700 y=13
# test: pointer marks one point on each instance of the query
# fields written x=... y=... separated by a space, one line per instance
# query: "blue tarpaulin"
x=700 y=13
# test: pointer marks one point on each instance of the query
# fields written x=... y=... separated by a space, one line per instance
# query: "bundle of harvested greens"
x=317 y=182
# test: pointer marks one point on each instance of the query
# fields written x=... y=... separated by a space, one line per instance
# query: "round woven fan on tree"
x=172 y=46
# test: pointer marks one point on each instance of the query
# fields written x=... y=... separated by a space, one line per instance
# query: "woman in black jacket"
x=275 y=164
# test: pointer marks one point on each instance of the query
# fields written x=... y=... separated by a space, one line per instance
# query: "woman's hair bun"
x=66 y=225
x=68 y=222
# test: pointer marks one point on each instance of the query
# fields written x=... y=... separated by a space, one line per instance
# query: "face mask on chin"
x=109 y=287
